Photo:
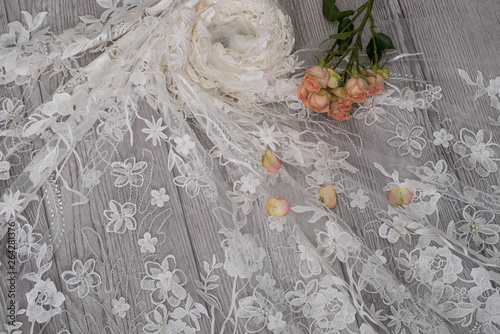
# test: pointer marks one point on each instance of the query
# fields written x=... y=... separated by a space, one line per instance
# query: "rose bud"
x=319 y=102
x=400 y=196
x=339 y=115
x=328 y=196
x=311 y=83
x=375 y=83
x=317 y=73
x=303 y=93
x=357 y=90
x=270 y=162
x=384 y=73
x=343 y=104
x=333 y=78
x=277 y=207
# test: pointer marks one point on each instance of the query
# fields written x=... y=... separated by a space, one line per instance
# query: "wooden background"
x=450 y=33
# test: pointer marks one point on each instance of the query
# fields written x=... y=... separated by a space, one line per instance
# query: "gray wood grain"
x=446 y=31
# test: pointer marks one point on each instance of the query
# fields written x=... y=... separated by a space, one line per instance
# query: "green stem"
x=359 y=11
x=354 y=59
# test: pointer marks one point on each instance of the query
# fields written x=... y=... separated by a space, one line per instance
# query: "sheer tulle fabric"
x=212 y=82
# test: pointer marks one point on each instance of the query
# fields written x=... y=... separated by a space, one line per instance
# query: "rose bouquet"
x=330 y=89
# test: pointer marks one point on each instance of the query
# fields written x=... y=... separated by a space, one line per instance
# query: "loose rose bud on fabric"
x=277 y=207
x=328 y=196
x=270 y=162
x=357 y=90
x=375 y=83
x=319 y=102
x=400 y=196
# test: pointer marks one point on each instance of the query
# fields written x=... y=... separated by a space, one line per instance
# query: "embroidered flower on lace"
x=439 y=299
x=477 y=229
x=266 y=282
x=4 y=168
x=242 y=200
x=331 y=157
x=120 y=217
x=276 y=323
x=243 y=256
x=159 y=197
x=308 y=263
x=120 y=307
x=192 y=178
x=147 y=243
x=155 y=131
x=398 y=293
x=438 y=264
x=249 y=183
x=27 y=242
x=11 y=204
x=81 y=277
x=408 y=140
x=410 y=101
x=305 y=298
x=91 y=178
x=245 y=100
x=268 y=135
x=337 y=313
x=277 y=223
x=184 y=144
x=44 y=301
x=395 y=225
x=359 y=199
x=335 y=243
x=156 y=320
x=165 y=282
x=476 y=154
x=256 y=309
x=434 y=173
x=11 y=112
x=442 y=137
x=372 y=111
x=128 y=172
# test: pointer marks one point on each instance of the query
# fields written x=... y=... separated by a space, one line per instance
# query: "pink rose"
x=303 y=93
x=317 y=73
x=375 y=83
x=319 y=102
x=338 y=111
x=341 y=100
x=357 y=90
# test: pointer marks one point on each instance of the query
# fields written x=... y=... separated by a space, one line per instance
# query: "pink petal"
x=328 y=196
x=270 y=162
x=277 y=207
x=400 y=196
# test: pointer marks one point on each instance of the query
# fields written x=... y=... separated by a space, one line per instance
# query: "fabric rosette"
x=237 y=50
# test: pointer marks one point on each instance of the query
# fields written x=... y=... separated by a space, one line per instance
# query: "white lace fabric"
x=180 y=104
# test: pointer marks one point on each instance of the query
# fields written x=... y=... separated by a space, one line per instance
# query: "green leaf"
x=344 y=14
x=370 y=51
x=384 y=42
x=330 y=11
x=343 y=25
x=341 y=36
